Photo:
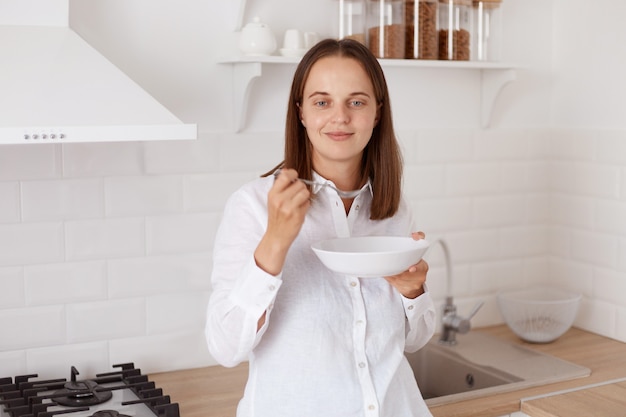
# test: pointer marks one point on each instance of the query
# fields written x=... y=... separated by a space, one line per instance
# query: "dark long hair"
x=382 y=159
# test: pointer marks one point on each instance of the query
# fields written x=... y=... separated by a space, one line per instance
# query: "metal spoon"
x=342 y=194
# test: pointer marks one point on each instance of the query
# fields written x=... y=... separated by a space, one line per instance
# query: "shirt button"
x=371 y=407
x=409 y=308
x=271 y=288
x=357 y=207
x=359 y=322
x=361 y=364
x=353 y=283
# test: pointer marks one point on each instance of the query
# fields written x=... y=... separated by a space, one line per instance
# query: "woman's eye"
x=320 y=103
x=357 y=103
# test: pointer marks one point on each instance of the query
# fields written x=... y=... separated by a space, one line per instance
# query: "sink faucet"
x=452 y=322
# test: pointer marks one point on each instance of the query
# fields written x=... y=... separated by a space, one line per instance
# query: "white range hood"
x=56 y=88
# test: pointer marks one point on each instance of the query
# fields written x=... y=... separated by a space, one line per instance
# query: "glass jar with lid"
x=455 y=27
x=487 y=25
x=421 y=29
x=386 y=28
x=351 y=20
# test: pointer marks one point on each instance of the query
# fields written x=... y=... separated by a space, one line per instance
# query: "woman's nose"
x=341 y=115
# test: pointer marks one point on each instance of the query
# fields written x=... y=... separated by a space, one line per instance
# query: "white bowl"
x=540 y=314
x=370 y=256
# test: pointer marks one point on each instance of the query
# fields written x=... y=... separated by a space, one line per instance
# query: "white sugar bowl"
x=257 y=39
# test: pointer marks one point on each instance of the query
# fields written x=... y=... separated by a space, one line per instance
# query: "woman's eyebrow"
x=323 y=93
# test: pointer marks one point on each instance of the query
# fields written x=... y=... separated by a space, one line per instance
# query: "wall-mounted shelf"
x=494 y=76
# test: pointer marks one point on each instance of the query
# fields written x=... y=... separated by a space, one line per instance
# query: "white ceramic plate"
x=370 y=256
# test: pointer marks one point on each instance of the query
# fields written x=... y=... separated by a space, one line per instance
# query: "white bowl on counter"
x=539 y=314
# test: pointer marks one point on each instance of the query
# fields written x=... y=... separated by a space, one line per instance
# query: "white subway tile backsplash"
x=192 y=232
x=179 y=312
x=136 y=277
x=105 y=238
x=570 y=144
x=611 y=146
x=166 y=352
x=444 y=145
x=523 y=241
x=424 y=181
x=31 y=243
x=9 y=202
x=99 y=159
x=586 y=179
x=597 y=316
x=65 y=282
x=490 y=277
x=610 y=216
x=12 y=287
x=572 y=210
x=609 y=285
x=597 y=249
x=499 y=144
x=13 y=363
x=572 y=275
x=103 y=320
x=473 y=179
x=141 y=195
x=19 y=162
x=56 y=361
x=187 y=156
x=62 y=199
x=495 y=211
x=443 y=214
x=244 y=152
x=209 y=192
x=26 y=328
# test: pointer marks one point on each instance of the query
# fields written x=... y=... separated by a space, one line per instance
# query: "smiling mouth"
x=339 y=135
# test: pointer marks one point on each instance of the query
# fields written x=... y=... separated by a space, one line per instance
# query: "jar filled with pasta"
x=386 y=28
x=421 y=29
x=455 y=27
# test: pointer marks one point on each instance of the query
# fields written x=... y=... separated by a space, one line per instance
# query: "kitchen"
x=92 y=234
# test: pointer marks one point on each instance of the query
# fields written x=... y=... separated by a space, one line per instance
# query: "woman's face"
x=339 y=112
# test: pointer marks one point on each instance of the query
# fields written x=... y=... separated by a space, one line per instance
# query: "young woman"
x=320 y=343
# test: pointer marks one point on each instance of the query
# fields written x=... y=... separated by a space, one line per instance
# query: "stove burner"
x=80 y=393
x=125 y=389
x=108 y=413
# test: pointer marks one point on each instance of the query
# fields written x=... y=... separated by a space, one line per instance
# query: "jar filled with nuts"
x=421 y=29
x=386 y=28
x=487 y=24
x=352 y=20
x=455 y=26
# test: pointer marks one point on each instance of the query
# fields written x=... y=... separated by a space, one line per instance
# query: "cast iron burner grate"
x=25 y=396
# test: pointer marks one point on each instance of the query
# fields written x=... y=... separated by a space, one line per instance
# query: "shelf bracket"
x=493 y=81
x=243 y=75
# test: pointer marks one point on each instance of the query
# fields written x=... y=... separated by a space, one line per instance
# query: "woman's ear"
x=300 y=114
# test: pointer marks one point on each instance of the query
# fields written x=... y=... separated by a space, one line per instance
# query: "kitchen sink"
x=480 y=365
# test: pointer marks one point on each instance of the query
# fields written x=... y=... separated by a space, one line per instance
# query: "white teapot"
x=257 y=39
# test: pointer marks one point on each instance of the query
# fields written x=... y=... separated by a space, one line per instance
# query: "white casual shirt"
x=332 y=345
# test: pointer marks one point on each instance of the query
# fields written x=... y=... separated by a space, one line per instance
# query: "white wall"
x=105 y=249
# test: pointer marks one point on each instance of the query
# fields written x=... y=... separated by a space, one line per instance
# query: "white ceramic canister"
x=257 y=39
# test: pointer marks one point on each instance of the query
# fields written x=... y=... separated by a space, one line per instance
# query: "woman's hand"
x=410 y=283
x=287 y=204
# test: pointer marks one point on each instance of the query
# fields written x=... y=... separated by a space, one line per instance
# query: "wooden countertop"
x=215 y=391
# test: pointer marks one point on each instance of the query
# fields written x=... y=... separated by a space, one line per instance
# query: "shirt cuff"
x=415 y=307
x=256 y=290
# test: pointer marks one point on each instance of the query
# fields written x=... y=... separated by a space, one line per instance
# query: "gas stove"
x=124 y=392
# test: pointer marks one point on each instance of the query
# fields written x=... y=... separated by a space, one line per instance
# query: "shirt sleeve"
x=241 y=291
x=421 y=320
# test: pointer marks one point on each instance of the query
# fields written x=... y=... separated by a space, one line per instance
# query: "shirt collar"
x=318 y=178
